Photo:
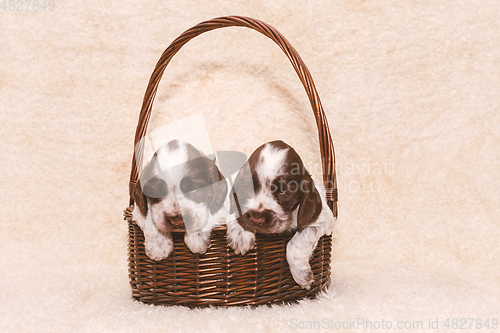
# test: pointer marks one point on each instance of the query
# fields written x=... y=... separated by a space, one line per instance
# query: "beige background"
x=412 y=94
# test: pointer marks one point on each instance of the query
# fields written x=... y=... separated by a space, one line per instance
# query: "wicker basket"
x=219 y=277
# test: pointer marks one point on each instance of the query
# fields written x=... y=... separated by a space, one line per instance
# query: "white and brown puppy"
x=274 y=193
x=180 y=189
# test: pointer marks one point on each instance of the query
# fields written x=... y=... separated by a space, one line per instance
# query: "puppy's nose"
x=175 y=219
x=257 y=217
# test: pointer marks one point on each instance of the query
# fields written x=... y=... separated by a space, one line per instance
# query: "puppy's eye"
x=155 y=188
x=284 y=193
x=292 y=186
x=187 y=185
x=279 y=188
x=284 y=188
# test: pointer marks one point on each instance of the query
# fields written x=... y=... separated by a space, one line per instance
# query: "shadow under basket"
x=220 y=277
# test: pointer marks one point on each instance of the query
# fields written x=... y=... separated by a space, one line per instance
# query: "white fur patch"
x=171 y=165
x=270 y=164
x=263 y=200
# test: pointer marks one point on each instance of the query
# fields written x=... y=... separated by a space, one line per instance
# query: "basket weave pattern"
x=219 y=277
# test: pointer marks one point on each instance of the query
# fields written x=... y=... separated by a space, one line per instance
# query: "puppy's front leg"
x=298 y=252
x=238 y=238
x=158 y=244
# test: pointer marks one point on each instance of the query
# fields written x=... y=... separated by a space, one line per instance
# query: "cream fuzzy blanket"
x=412 y=94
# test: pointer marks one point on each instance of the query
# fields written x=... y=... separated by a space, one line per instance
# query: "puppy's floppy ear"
x=310 y=203
x=219 y=190
x=140 y=199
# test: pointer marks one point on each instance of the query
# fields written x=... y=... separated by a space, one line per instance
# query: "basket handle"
x=325 y=140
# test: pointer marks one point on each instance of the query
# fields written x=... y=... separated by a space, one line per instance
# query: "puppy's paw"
x=297 y=255
x=240 y=240
x=303 y=277
x=245 y=244
x=159 y=247
x=198 y=242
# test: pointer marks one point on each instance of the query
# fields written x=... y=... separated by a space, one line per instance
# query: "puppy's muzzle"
x=175 y=220
x=259 y=217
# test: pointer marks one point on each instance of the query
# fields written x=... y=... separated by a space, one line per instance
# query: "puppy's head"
x=273 y=192
x=180 y=187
